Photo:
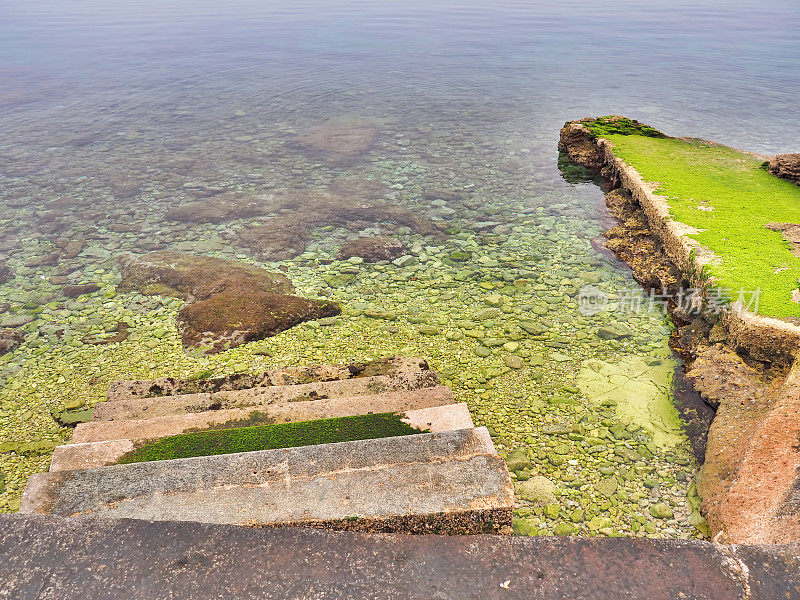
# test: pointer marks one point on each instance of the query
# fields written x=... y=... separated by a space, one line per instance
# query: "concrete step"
x=308 y=410
x=449 y=482
x=97 y=454
x=173 y=386
x=99 y=559
x=147 y=408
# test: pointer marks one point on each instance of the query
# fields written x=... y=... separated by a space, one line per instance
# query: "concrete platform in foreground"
x=96 y=559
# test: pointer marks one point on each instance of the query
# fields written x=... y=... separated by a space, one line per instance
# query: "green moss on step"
x=726 y=194
x=268 y=437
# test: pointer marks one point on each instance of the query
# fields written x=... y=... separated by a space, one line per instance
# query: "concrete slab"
x=308 y=410
x=146 y=408
x=440 y=418
x=171 y=386
x=89 y=455
x=99 y=559
x=449 y=482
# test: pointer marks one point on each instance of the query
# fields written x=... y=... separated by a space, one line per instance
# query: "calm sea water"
x=726 y=70
x=190 y=99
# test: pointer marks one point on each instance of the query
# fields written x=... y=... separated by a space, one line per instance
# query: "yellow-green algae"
x=441 y=316
x=641 y=391
x=729 y=197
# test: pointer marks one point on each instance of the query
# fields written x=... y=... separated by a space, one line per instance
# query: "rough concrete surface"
x=108 y=452
x=47 y=557
x=423 y=474
x=147 y=408
x=135 y=429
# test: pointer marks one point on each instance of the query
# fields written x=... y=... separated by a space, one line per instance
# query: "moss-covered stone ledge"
x=712 y=217
x=677 y=204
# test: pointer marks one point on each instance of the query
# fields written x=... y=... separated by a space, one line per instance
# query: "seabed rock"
x=232 y=318
x=10 y=339
x=230 y=303
x=373 y=249
x=220 y=208
x=194 y=277
x=338 y=141
x=5 y=272
x=349 y=203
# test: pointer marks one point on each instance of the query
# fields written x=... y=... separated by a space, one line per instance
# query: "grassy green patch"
x=616 y=125
x=268 y=437
x=727 y=194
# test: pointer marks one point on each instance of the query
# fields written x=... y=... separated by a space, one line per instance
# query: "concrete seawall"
x=763 y=337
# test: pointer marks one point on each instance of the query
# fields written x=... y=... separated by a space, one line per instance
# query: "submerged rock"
x=220 y=208
x=338 y=141
x=537 y=489
x=639 y=390
x=350 y=203
x=786 y=166
x=232 y=318
x=372 y=249
x=123 y=186
x=231 y=303
x=73 y=291
x=72 y=248
x=10 y=339
x=5 y=272
x=194 y=277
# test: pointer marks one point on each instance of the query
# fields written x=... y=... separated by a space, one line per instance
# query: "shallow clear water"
x=462 y=102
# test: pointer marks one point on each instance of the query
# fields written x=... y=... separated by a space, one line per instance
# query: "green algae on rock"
x=640 y=392
x=233 y=318
x=720 y=192
x=716 y=194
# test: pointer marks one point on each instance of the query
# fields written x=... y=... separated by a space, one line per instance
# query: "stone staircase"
x=447 y=478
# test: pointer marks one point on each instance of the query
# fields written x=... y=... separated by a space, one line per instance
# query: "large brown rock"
x=195 y=277
x=338 y=141
x=220 y=208
x=230 y=303
x=786 y=166
x=633 y=242
x=349 y=203
x=233 y=318
x=580 y=146
x=750 y=481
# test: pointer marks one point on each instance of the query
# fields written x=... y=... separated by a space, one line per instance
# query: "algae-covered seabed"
x=581 y=403
x=727 y=195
